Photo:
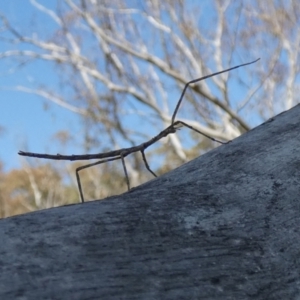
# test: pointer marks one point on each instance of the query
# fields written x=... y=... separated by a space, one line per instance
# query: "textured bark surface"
x=223 y=226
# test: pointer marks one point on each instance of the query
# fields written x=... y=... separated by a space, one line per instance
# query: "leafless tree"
x=123 y=64
x=33 y=188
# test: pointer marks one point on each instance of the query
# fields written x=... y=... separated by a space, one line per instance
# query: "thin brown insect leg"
x=146 y=163
x=200 y=79
x=87 y=166
x=79 y=186
x=191 y=127
x=125 y=171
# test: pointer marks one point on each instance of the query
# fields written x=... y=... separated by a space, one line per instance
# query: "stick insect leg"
x=87 y=166
x=125 y=171
x=146 y=163
x=191 y=127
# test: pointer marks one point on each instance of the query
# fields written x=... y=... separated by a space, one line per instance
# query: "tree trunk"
x=223 y=226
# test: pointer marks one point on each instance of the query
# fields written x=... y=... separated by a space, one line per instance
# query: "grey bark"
x=223 y=226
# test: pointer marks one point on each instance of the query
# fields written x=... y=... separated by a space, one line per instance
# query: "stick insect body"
x=122 y=153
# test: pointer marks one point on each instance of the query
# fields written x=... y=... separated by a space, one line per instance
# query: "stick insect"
x=122 y=153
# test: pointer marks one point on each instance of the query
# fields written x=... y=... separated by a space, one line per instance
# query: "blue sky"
x=27 y=124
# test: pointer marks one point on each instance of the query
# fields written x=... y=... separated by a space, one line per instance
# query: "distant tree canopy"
x=122 y=65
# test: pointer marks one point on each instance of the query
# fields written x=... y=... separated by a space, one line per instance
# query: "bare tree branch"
x=121 y=68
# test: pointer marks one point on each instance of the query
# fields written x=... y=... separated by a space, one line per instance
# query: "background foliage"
x=121 y=66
